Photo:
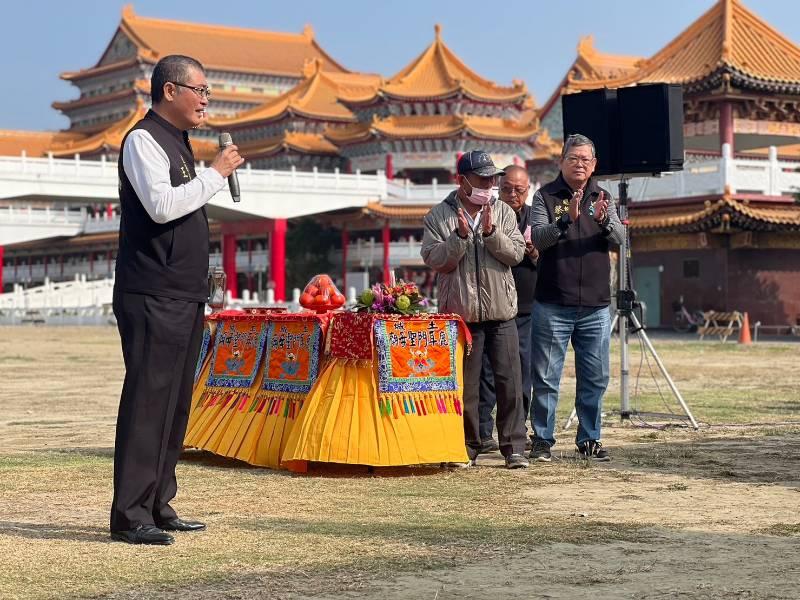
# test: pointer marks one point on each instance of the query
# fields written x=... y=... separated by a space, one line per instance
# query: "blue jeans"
x=589 y=328
x=487 y=395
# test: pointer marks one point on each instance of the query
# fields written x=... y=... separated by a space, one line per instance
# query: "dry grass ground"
x=677 y=514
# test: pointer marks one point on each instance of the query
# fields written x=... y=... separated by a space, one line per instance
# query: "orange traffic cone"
x=744 y=332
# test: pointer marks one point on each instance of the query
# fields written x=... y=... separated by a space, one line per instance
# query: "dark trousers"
x=487 y=391
x=499 y=341
x=160 y=345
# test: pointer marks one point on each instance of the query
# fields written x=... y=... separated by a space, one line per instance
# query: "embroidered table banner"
x=238 y=347
x=204 y=345
x=417 y=371
x=291 y=363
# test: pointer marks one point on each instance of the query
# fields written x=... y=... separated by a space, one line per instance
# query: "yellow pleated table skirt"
x=250 y=427
x=342 y=422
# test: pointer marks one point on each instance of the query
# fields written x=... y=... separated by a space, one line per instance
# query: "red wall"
x=764 y=283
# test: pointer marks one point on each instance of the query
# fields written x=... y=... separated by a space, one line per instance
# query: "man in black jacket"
x=574 y=224
x=160 y=288
x=514 y=188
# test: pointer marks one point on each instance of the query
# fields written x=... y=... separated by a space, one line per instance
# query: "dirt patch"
x=676 y=514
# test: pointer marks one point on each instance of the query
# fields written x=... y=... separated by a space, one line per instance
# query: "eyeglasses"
x=519 y=191
x=575 y=160
x=203 y=92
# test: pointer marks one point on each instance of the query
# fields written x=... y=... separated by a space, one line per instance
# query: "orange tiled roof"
x=439 y=73
x=34 y=143
x=314 y=97
x=304 y=143
x=219 y=47
x=789 y=152
x=434 y=126
x=728 y=36
x=377 y=209
x=140 y=85
x=592 y=65
x=108 y=139
x=742 y=214
x=545 y=147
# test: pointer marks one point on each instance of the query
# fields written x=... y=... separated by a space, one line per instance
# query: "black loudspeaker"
x=635 y=130
x=594 y=114
x=650 y=128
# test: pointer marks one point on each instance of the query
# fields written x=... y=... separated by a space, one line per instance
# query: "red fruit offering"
x=338 y=299
x=306 y=299
x=321 y=294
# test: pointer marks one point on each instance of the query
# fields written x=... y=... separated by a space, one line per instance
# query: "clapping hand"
x=486 y=219
x=575 y=205
x=463 y=226
x=601 y=208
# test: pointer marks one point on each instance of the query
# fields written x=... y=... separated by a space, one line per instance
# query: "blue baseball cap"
x=478 y=162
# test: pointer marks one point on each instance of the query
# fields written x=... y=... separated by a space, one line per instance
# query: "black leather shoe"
x=178 y=524
x=144 y=534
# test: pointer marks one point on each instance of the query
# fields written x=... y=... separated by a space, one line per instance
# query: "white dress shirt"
x=147 y=167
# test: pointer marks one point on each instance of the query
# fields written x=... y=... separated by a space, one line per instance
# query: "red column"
x=250 y=264
x=726 y=124
x=229 y=262
x=386 y=240
x=389 y=166
x=2 y=251
x=277 y=258
x=345 y=243
x=109 y=211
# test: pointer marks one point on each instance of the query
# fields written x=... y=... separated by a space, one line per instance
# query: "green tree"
x=307 y=247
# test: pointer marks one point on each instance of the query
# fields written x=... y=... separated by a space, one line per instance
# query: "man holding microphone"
x=160 y=289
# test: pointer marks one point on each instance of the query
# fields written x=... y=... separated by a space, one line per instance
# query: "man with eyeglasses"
x=575 y=223
x=471 y=241
x=160 y=290
x=514 y=188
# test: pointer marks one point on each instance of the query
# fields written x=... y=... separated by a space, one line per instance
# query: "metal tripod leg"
x=646 y=340
x=673 y=387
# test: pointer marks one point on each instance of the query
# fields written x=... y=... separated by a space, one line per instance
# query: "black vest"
x=576 y=270
x=525 y=272
x=169 y=259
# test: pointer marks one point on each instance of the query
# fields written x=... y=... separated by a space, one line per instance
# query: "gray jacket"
x=473 y=275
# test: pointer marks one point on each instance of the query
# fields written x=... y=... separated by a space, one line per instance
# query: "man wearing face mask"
x=471 y=240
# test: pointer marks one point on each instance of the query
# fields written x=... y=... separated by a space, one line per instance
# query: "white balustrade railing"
x=83 y=302
x=105 y=172
x=369 y=253
x=711 y=175
x=402 y=191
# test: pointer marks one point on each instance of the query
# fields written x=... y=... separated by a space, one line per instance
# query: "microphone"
x=225 y=140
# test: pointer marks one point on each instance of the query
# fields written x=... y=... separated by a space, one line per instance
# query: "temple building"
x=724 y=233
x=289 y=106
x=245 y=67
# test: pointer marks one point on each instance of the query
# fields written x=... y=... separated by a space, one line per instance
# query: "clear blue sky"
x=534 y=40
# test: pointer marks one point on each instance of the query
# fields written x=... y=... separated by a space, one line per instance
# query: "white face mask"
x=479 y=196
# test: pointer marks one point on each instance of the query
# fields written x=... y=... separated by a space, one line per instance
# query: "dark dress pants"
x=487 y=392
x=498 y=339
x=160 y=346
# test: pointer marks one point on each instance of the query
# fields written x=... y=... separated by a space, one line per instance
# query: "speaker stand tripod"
x=626 y=318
